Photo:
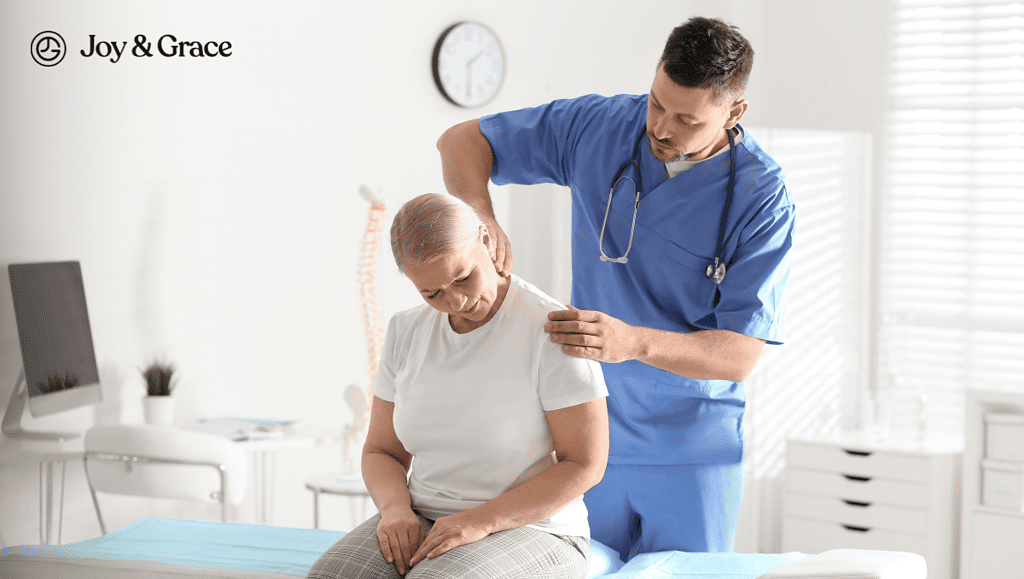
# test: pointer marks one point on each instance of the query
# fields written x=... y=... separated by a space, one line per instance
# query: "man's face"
x=688 y=123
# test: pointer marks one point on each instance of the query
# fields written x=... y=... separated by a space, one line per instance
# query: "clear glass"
x=900 y=411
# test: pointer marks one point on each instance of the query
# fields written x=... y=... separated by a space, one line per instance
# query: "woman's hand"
x=450 y=532
x=400 y=535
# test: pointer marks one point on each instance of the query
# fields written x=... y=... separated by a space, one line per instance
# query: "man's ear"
x=736 y=112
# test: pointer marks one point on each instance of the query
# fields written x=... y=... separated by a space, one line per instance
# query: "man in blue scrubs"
x=675 y=342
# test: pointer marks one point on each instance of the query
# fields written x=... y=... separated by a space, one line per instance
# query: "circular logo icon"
x=48 y=48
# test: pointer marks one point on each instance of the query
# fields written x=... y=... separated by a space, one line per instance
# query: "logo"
x=168 y=45
x=48 y=48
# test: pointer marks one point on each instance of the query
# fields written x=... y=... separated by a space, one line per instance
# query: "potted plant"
x=158 y=405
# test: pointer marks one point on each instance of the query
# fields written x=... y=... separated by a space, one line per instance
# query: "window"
x=951 y=271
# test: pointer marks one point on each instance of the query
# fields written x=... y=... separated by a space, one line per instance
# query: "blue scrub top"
x=657 y=417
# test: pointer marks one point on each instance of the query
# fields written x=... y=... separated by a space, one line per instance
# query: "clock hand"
x=469 y=73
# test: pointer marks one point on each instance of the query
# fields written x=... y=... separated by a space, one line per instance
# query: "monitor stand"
x=16 y=411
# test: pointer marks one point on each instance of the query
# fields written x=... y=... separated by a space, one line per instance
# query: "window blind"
x=810 y=385
x=951 y=271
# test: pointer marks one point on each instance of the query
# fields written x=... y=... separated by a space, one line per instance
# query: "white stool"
x=338 y=483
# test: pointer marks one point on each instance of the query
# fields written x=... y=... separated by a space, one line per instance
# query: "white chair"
x=163 y=462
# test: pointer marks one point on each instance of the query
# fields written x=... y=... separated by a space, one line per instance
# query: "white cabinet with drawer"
x=852 y=492
x=992 y=528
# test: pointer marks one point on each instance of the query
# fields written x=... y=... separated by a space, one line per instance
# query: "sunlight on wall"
x=951 y=277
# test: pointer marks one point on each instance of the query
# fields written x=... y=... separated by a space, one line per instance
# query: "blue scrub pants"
x=642 y=509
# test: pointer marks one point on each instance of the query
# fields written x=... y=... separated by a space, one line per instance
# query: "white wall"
x=213 y=202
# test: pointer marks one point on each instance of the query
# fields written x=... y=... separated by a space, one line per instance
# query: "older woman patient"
x=484 y=434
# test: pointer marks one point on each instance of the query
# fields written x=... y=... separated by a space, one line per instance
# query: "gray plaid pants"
x=522 y=553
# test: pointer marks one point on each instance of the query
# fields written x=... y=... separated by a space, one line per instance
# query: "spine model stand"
x=359 y=399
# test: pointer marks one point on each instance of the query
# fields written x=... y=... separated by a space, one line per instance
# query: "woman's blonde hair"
x=432 y=225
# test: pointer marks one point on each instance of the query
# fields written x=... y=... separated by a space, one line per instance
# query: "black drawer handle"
x=857 y=452
x=858 y=529
x=856 y=503
x=857 y=478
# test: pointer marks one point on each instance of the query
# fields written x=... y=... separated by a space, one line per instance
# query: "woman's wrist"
x=389 y=510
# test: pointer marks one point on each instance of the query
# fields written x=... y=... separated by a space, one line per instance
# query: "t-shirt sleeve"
x=568 y=380
x=752 y=300
x=384 y=383
x=534 y=145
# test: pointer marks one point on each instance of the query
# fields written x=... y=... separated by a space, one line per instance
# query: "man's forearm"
x=466 y=162
x=702 y=355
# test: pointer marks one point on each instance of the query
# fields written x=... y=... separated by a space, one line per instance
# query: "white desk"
x=50 y=453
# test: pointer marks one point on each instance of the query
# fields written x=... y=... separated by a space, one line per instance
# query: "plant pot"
x=159 y=410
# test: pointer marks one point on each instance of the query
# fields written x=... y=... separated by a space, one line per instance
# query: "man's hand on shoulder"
x=702 y=355
x=593 y=335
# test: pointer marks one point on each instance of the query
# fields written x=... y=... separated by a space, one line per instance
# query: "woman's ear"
x=487 y=239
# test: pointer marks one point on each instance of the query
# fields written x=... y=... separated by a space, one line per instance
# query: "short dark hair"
x=708 y=53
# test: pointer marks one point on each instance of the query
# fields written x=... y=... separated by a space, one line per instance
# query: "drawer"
x=809 y=536
x=1002 y=485
x=1004 y=436
x=856 y=488
x=857 y=461
x=857 y=513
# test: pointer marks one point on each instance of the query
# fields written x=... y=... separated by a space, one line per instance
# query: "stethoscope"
x=715 y=270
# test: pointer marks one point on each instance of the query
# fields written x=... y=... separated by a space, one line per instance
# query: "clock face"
x=469 y=64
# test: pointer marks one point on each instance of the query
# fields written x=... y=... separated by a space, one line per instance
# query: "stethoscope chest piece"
x=716 y=271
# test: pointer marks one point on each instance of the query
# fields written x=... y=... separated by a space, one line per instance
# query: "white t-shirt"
x=470 y=407
x=674 y=168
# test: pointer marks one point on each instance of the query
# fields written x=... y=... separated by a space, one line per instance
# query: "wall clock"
x=469 y=64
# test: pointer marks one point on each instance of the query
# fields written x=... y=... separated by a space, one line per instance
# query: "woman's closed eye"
x=460 y=280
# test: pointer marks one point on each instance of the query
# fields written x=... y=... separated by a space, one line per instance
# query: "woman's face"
x=463 y=284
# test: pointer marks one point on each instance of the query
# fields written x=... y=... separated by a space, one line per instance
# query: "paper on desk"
x=232 y=431
x=243 y=428
x=252 y=422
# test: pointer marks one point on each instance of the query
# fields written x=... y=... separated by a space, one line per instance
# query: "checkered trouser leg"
x=522 y=553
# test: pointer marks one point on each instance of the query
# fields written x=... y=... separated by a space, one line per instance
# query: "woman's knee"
x=357 y=554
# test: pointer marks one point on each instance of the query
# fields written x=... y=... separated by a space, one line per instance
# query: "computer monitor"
x=59 y=371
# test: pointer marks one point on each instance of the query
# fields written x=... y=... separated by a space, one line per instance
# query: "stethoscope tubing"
x=715 y=270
